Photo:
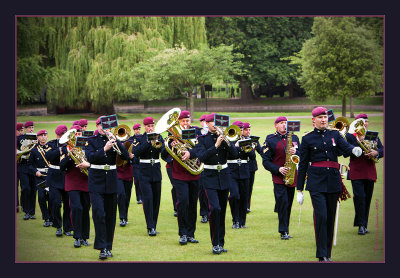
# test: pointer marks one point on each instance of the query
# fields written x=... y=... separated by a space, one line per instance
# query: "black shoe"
x=248 y=211
x=17 y=209
x=192 y=240
x=26 y=216
x=204 y=219
x=59 y=232
x=123 y=223
x=323 y=259
x=84 y=242
x=68 y=234
x=175 y=213
x=103 y=254
x=235 y=225
x=243 y=226
x=222 y=249
x=109 y=254
x=216 y=249
x=152 y=232
x=77 y=243
x=366 y=231
x=140 y=202
x=47 y=223
x=32 y=217
x=285 y=236
x=183 y=240
x=361 y=230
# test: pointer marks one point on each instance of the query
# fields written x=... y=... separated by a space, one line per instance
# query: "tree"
x=181 y=69
x=343 y=59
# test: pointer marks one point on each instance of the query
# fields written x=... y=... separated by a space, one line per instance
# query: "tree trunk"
x=291 y=90
x=203 y=94
x=247 y=94
x=191 y=109
x=351 y=107
x=344 y=106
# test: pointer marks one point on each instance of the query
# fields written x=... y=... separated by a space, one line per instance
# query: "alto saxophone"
x=291 y=162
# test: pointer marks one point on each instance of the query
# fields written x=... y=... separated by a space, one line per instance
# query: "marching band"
x=213 y=164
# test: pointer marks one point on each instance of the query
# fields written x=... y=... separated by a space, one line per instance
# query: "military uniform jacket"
x=362 y=167
x=242 y=170
x=36 y=160
x=135 y=161
x=102 y=181
x=274 y=155
x=74 y=178
x=207 y=153
x=253 y=162
x=55 y=177
x=145 y=150
x=321 y=145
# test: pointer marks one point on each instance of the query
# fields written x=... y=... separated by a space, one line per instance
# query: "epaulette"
x=307 y=132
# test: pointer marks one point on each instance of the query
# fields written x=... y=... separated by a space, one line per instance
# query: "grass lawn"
x=260 y=242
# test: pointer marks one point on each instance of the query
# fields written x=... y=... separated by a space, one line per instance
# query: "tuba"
x=26 y=146
x=169 y=122
x=77 y=154
x=122 y=133
x=291 y=162
x=340 y=124
x=357 y=128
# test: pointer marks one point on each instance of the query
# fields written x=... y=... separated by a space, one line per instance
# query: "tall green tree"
x=343 y=59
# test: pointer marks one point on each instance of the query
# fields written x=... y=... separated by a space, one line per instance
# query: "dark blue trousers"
x=124 y=197
x=284 y=200
x=251 y=183
x=60 y=197
x=239 y=204
x=362 y=195
x=173 y=190
x=187 y=192
x=28 y=191
x=104 y=211
x=202 y=198
x=324 y=205
x=217 y=202
x=79 y=202
x=44 y=201
x=137 y=189
x=151 y=194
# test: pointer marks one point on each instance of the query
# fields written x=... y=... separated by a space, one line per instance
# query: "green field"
x=260 y=242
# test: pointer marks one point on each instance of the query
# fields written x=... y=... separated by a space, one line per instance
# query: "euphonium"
x=77 y=154
x=357 y=127
x=169 y=121
x=291 y=162
x=122 y=133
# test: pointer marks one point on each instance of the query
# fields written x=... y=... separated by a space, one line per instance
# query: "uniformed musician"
x=363 y=176
x=102 y=185
x=135 y=162
x=56 y=181
x=76 y=185
x=39 y=167
x=212 y=150
x=202 y=194
x=19 y=131
x=83 y=123
x=321 y=147
x=274 y=158
x=150 y=175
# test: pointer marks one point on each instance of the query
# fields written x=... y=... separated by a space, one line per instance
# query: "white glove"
x=357 y=151
x=300 y=197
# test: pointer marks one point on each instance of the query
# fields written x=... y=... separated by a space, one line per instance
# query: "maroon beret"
x=363 y=116
x=136 y=126
x=203 y=117
x=20 y=126
x=280 y=119
x=76 y=122
x=61 y=129
x=40 y=132
x=99 y=120
x=148 y=120
x=319 y=111
x=246 y=125
x=77 y=127
x=238 y=123
x=83 y=122
x=184 y=114
x=210 y=117
x=28 y=124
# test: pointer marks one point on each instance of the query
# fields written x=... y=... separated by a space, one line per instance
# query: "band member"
x=83 y=123
x=75 y=123
x=252 y=162
x=187 y=190
x=274 y=158
x=56 y=181
x=168 y=167
x=212 y=150
x=135 y=162
x=150 y=175
x=76 y=185
x=320 y=147
x=27 y=180
x=239 y=187
x=102 y=186
x=363 y=176
x=202 y=194
x=39 y=166
x=19 y=131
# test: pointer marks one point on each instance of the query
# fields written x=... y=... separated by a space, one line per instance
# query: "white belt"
x=103 y=167
x=44 y=170
x=238 y=161
x=152 y=161
x=218 y=167
x=54 y=167
x=25 y=156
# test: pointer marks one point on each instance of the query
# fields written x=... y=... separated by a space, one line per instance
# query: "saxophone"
x=291 y=162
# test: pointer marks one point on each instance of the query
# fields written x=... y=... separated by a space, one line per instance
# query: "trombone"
x=231 y=133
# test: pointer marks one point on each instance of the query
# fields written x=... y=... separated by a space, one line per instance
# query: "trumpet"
x=156 y=143
x=111 y=137
x=341 y=124
x=231 y=133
